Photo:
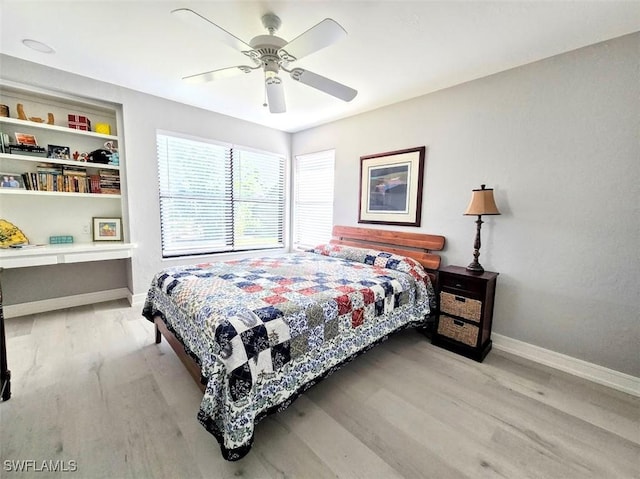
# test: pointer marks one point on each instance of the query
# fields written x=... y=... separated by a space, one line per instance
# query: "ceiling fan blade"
x=275 y=95
x=324 y=84
x=322 y=35
x=197 y=20
x=218 y=74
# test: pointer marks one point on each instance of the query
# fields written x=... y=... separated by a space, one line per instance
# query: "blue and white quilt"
x=264 y=330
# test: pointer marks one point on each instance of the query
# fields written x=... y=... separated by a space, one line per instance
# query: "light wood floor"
x=90 y=385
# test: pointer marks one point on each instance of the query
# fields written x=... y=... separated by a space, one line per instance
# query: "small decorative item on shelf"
x=4 y=111
x=11 y=180
x=107 y=229
x=79 y=122
x=80 y=156
x=10 y=234
x=57 y=152
x=63 y=239
x=25 y=139
x=103 y=128
x=23 y=116
x=115 y=157
x=100 y=155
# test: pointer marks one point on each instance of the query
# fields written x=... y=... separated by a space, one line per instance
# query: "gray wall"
x=22 y=285
x=558 y=140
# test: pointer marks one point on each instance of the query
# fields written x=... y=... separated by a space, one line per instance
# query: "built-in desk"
x=45 y=255
x=60 y=254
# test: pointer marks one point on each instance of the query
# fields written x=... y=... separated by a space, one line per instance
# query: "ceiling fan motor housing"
x=265 y=52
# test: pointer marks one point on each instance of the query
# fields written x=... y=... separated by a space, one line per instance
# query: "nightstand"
x=466 y=311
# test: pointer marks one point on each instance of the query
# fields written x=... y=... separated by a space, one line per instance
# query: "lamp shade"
x=482 y=203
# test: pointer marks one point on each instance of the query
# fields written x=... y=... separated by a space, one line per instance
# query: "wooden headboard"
x=418 y=246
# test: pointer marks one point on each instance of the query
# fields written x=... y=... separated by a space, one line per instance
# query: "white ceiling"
x=395 y=50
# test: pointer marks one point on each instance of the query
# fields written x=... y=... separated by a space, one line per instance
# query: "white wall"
x=558 y=140
x=142 y=115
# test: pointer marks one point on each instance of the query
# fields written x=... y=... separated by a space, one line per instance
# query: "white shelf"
x=19 y=191
x=57 y=129
x=42 y=159
x=64 y=254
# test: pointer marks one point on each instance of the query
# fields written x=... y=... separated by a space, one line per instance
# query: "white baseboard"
x=33 y=307
x=583 y=369
x=137 y=299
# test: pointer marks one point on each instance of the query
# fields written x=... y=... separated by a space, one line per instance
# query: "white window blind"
x=216 y=197
x=313 y=204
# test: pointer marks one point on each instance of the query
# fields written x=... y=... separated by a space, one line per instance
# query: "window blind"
x=215 y=197
x=313 y=203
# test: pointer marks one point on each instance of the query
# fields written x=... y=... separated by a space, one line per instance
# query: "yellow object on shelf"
x=103 y=128
x=10 y=234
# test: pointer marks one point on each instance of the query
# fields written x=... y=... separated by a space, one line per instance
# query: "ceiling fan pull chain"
x=265 y=104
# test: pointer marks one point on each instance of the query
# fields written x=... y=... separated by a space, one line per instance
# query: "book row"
x=72 y=179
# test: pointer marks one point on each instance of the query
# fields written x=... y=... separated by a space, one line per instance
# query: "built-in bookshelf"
x=51 y=184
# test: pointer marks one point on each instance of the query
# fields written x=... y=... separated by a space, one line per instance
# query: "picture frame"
x=57 y=152
x=391 y=187
x=12 y=180
x=26 y=139
x=107 y=229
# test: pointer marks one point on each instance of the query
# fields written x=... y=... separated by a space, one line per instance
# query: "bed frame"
x=418 y=246
x=413 y=245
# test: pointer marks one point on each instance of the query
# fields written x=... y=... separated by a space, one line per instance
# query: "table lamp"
x=482 y=203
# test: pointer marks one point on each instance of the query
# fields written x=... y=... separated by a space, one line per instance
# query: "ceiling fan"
x=273 y=54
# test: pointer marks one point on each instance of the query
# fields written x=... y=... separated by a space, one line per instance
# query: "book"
x=109 y=182
x=94 y=184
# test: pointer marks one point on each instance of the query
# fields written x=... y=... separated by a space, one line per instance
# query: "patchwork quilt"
x=264 y=330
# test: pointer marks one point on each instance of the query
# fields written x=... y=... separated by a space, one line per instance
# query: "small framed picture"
x=11 y=180
x=57 y=152
x=26 y=139
x=107 y=229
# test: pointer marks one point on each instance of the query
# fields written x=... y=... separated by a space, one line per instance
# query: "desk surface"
x=59 y=254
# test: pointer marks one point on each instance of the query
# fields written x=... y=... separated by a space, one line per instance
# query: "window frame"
x=329 y=154
x=171 y=251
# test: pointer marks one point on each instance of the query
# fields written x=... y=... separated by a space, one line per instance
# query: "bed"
x=258 y=332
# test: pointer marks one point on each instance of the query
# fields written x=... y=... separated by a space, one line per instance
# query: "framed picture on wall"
x=391 y=187
x=107 y=229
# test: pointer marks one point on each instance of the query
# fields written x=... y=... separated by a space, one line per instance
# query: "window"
x=313 y=204
x=216 y=197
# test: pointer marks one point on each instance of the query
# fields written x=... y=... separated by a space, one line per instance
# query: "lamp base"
x=475 y=267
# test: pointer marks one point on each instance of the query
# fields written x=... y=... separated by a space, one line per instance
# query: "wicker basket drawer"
x=460 y=306
x=459 y=330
